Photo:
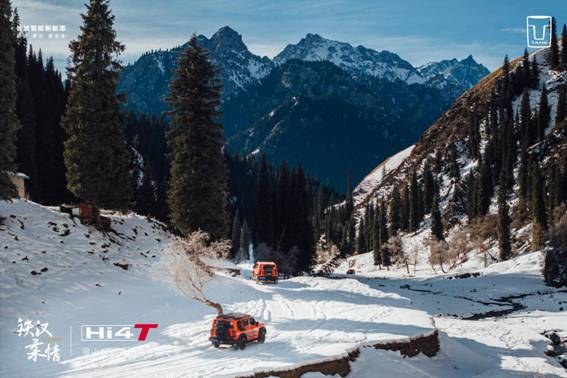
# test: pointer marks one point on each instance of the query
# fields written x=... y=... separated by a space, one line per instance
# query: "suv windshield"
x=268 y=270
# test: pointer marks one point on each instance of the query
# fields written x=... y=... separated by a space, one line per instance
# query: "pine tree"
x=377 y=254
x=235 y=233
x=414 y=203
x=537 y=206
x=368 y=222
x=561 y=105
x=361 y=238
x=554 y=47
x=436 y=222
x=471 y=186
x=161 y=211
x=145 y=195
x=563 y=55
x=506 y=67
x=97 y=159
x=526 y=74
x=534 y=74
x=8 y=121
x=383 y=224
x=377 y=242
x=244 y=243
x=543 y=114
x=485 y=186
x=395 y=212
x=504 y=242
x=525 y=119
x=386 y=255
x=264 y=223
x=404 y=219
x=454 y=169
x=428 y=188
x=474 y=134
x=197 y=196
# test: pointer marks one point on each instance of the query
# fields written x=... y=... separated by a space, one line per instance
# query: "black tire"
x=241 y=343
x=216 y=343
x=262 y=336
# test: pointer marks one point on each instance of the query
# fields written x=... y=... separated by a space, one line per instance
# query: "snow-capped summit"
x=463 y=73
x=240 y=67
x=355 y=60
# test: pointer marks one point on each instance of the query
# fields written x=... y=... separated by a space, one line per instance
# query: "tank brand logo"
x=115 y=332
x=538 y=29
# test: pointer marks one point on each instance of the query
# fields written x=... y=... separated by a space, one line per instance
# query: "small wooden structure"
x=90 y=215
x=19 y=181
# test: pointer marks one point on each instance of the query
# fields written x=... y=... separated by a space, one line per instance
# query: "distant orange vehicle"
x=265 y=271
x=236 y=330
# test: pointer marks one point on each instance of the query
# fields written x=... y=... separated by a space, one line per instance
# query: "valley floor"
x=309 y=319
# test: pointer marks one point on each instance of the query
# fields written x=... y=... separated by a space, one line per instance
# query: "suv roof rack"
x=233 y=315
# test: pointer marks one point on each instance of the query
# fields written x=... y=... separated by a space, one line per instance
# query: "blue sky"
x=419 y=31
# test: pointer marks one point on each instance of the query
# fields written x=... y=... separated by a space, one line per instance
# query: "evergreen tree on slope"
x=8 y=121
x=97 y=160
x=197 y=194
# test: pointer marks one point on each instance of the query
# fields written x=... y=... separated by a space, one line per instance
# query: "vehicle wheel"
x=262 y=336
x=241 y=343
x=216 y=343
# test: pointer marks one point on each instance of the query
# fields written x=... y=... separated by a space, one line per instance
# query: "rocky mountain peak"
x=227 y=38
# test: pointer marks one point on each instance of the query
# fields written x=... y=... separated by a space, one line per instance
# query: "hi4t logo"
x=115 y=332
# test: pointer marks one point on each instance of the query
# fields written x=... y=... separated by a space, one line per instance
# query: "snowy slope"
x=499 y=345
x=308 y=319
x=374 y=178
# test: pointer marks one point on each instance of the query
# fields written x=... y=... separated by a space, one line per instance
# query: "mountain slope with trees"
x=489 y=176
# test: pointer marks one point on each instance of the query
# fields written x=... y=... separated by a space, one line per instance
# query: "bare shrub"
x=438 y=254
x=325 y=252
x=187 y=270
x=458 y=247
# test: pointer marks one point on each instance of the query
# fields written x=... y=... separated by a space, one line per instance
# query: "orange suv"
x=237 y=330
x=265 y=271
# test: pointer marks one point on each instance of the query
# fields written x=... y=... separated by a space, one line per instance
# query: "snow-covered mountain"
x=146 y=81
x=355 y=60
x=239 y=67
x=386 y=102
x=462 y=74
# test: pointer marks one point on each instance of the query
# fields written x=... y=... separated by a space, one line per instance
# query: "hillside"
x=304 y=111
x=454 y=148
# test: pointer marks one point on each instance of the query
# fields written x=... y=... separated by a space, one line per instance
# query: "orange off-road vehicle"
x=237 y=330
x=265 y=271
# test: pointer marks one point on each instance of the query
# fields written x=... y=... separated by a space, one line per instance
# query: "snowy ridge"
x=464 y=73
x=356 y=60
x=374 y=178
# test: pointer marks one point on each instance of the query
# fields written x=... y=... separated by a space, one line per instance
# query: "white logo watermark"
x=43 y=344
x=43 y=31
x=538 y=30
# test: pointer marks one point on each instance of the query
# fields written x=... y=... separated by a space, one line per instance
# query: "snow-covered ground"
x=308 y=319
